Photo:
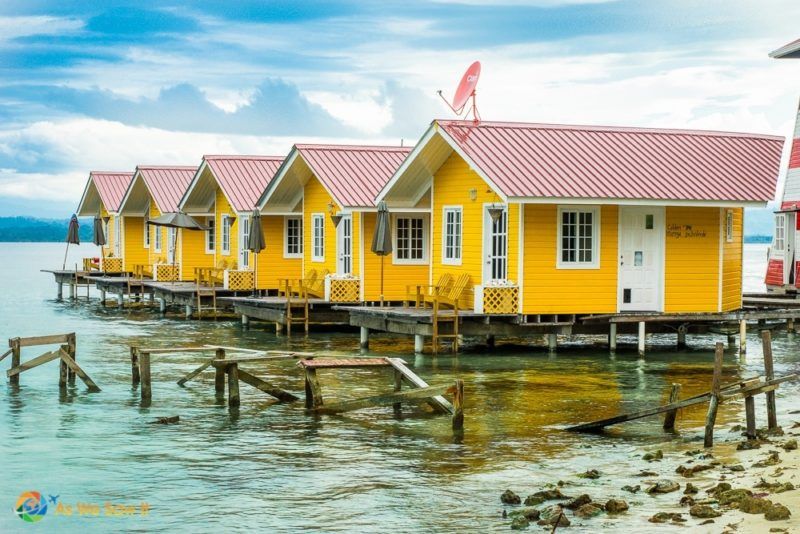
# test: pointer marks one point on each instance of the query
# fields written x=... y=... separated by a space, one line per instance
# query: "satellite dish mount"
x=464 y=99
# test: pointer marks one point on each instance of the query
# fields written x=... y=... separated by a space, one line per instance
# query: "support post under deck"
x=419 y=343
x=364 y=341
x=552 y=342
x=742 y=337
x=612 y=337
x=642 y=338
x=60 y=294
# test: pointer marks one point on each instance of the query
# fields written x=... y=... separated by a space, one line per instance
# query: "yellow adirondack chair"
x=419 y=293
x=451 y=299
x=316 y=286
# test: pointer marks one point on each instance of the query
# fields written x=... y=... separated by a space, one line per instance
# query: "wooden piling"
x=219 y=375
x=313 y=389
x=63 y=371
x=398 y=385
x=15 y=359
x=713 y=404
x=232 y=371
x=419 y=344
x=682 y=336
x=750 y=415
x=135 y=366
x=72 y=351
x=669 y=417
x=144 y=374
x=552 y=342
x=742 y=337
x=790 y=326
x=769 y=374
x=458 y=406
x=641 y=339
x=364 y=338
x=60 y=294
x=612 y=337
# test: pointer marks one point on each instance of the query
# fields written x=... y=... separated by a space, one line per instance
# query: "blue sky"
x=108 y=84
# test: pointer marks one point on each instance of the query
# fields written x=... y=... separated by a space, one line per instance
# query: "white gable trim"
x=278 y=178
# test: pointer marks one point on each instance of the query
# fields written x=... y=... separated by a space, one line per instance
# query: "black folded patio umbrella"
x=99 y=235
x=255 y=244
x=176 y=220
x=73 y=237
x=382 y=238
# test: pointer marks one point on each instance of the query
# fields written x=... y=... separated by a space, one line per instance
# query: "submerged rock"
x=632 y=489
x=736 y=468
x=509 y=497
x=687 y=500
x=519 y=523
x=653 y=456
x=577 y=502
x=553 y=515
x=773 y=458
x=703 y=511
x=666 y=517
x=616 y=506
x=753 y=505
x=777 y=512
x=533 y=500
x=719 y=488
x=531 y=514
x=589 y=510
x=690 y=489
x=790 y=445
x=663 y=486
x=775 y=487
x=690 y=471
x=547 y=495
x=733 y=496
x=591 y=474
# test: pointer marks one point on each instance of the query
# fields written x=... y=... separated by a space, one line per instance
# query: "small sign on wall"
x=685 y=231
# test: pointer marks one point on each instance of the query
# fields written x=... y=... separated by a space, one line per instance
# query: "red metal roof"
x=546 y=160
x=111 y=187
x=167 y=184
x=353 y=174
x=791 y=50
x=243 y=178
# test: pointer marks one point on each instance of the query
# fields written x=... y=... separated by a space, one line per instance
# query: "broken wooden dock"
x=66 y=353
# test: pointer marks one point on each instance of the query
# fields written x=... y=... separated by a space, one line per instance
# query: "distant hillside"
x=18 y=229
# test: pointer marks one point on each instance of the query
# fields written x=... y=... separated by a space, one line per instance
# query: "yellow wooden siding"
x=452 y=184
x=192 y=250
x=316 y=200
x=272 y=266
x=154 y=255
x=134 y=253
x=395 y=277
x=732 y=261
x=229 y=260
x=548 y=289
x=692 y=260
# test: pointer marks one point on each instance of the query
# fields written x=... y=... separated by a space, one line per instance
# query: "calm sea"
x=276 y=468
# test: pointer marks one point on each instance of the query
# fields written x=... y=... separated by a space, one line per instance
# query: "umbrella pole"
x=255 y=273
x=382 y=257
x=64 y=265
x=174 y=252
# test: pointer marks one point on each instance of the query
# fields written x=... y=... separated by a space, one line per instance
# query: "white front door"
x=495 y=245
x=344 y=246
x=172 y=243
x=244 y=241
x=641 y=258
x=118 y=236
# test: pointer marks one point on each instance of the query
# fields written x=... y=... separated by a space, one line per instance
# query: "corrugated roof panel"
x=353 y=174
x=791 y=50
x=243 y=178
x=111 y=187
x=547 y=160
x=167 y=184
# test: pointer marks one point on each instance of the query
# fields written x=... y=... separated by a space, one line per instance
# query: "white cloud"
x=359 y=110
x=532 y=3
x=14 y=27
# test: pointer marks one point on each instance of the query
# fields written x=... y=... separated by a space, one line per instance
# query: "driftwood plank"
x=386 y=399
x=436 y=402
x=6 y=353
x=769 y=373
x=266 y=387
x=35 y=362
x=78 y=371
x=196 y=372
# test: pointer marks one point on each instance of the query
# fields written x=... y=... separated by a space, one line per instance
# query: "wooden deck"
x=274 y=309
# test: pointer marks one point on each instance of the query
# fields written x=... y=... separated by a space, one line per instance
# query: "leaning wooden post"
x=135 y=366
x=219 y=375
x=713 y=403
x=15 y=359
x=458 y=406
x=398 y=385
x=669 y=417
x=769 y=374
x=750 y=416
x=144 y=372
x=71 y=350
x=63 y=369
x=232 y=369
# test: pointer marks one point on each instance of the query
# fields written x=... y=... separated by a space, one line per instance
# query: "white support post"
x=162 y=306
x=364 y=342
x=612 y=337
x=72 y=291
x=419 y=343
x=103 y=297
x=60 y=290
x=245 y=320
x=742 y=337
x=120 y=300
x=642 y=339
x=552 y=342
x=188 y=311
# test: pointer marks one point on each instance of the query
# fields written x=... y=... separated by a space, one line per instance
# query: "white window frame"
x=118 y=236
x=211 y=235
x=146 y=235
x=779 y=239
x=158 y=239
x=595 y=263
x=425 y=232
x=459 y=237
x=729 y=226
x=315 y=217
x=286 y=253
x=226 y=234
x=244 y=237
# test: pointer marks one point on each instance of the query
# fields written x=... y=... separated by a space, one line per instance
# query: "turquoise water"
x=275 y=468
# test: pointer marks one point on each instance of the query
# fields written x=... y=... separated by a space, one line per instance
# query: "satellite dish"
x=465 y=91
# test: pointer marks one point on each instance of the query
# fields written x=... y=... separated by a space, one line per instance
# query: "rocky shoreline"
x=737 y=486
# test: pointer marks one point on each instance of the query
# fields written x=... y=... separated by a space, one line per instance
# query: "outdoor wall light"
x=473 y=194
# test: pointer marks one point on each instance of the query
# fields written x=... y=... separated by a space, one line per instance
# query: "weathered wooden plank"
x=437 y=402
x=44 y=340
x=144 y=374
x=340 y=363
x=135 y=366
x=669 y=417
x=458 y=406
x=750 y=416
x=769 y=374
x=266 y=387
x=232 y=371
x=597 y=425
x=35 y=362
x=72 y=364
x=6 y=353
x=196 y=372
x=313 y=389
x=383 y=400
x=716 y=380
x=15 y=359
x=219 y=375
